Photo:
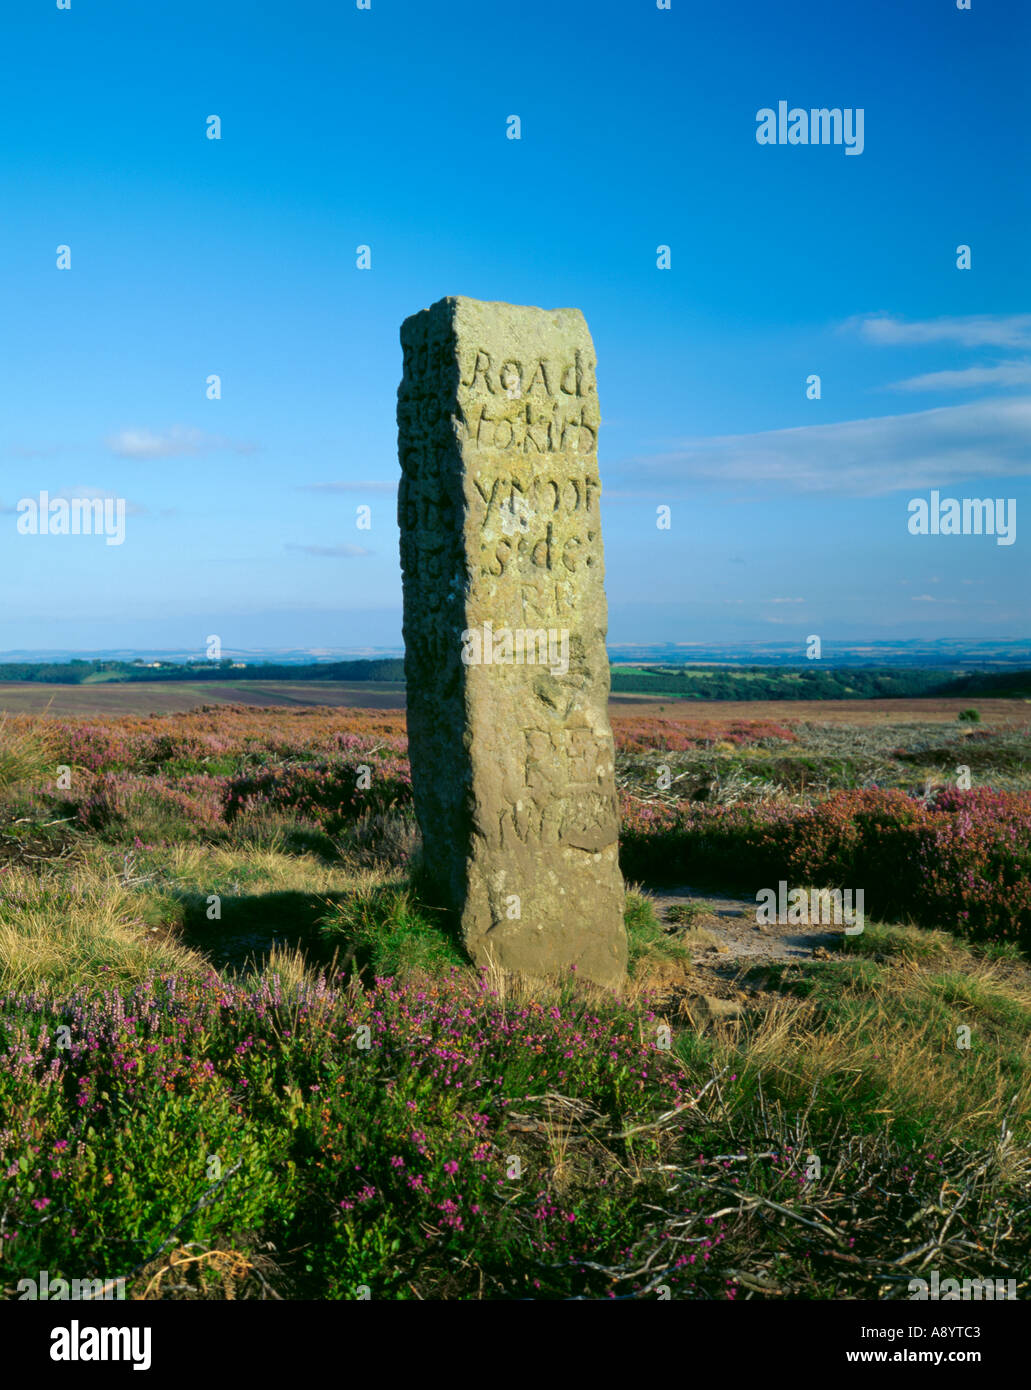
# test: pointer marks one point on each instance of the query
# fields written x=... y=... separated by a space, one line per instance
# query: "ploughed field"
x=241 y=1057
x=176 y=697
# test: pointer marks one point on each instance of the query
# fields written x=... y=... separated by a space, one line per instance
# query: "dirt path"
x=723 y=976
x=731 y=923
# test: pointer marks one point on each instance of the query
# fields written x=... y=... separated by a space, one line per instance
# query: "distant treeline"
x=679 y=682
x=96 y=672
x=998 y=685
x=814 y=683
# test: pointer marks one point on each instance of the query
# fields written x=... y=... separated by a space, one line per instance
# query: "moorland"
x=240 y=1057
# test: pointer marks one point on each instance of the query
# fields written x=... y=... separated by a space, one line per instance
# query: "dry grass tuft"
x=80 y=929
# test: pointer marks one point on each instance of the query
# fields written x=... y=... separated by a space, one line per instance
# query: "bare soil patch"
x=730 y=923
x=727 y=952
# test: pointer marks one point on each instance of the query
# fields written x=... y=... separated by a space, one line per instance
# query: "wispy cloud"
x=176 y=442
x=347 y=487
x=972 y=330
x=857 y=458
x=333 y=551
x=968 y=378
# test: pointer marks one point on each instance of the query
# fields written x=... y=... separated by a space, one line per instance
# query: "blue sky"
x=387 y=127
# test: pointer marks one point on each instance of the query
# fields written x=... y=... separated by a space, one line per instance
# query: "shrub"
x=330 y=793
x=962 y=861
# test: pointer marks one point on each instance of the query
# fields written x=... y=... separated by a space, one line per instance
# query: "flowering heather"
x=960 y=861
x=429 y=1140
x=357 y=1143
x=110 y=797
x=248 y=735
x=200 y=770
x=328 y=792
x=675 y=736
x=217 y=733
x=179 y=773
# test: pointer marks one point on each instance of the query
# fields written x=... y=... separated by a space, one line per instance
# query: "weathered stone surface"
x=504 y=623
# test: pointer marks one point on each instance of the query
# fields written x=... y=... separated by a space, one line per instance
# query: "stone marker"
x=504 y=624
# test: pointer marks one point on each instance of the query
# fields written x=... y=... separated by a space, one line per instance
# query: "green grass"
x=874 y=1035
x=647 y=942
x=384 y=931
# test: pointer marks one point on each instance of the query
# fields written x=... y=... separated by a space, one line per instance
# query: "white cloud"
x=857 y=458
x=968 y=378
x=175 y=442
x=785 y=600
x=971 y=330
